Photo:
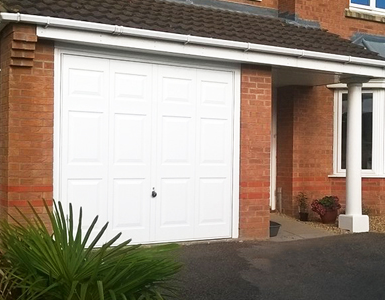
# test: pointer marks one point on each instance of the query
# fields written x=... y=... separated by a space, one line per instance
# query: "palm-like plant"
x=36 y=264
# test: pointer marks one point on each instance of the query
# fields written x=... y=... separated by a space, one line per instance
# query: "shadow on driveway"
x=338 y=267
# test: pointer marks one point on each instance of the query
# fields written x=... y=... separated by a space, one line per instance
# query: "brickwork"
x=285 y=147
x=286 y=6
x=305 y=151
x=255 y=152
x=263 y=3
x=26 y=126
x=305 y=143
x=331 y=16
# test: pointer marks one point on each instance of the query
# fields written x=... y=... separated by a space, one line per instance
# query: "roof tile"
x=167 y=16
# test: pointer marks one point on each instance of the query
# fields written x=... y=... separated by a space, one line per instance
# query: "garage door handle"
x=153 y=194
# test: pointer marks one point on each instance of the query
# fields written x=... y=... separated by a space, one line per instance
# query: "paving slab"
x=292 y=229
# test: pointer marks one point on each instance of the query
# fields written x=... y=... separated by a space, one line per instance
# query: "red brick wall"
x=331 y=16
x=26 y=126
x=305 y=143
x=286 y=6
x=373 y=194
x=285 y=147
x=255 y=152
x=305 y=150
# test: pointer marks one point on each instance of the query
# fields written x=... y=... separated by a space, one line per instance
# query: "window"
x=373 y=112
x=368 y=4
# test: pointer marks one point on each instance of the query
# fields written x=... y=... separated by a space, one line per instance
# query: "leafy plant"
x=302 y=200
x=36 y=264
x=327 y=203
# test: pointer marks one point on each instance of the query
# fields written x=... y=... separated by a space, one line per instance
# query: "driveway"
x=350 y=266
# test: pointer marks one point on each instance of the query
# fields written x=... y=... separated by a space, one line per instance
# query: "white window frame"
x=378 y=158
x=368 y=8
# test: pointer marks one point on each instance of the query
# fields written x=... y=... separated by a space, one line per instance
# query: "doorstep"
x=292 y=229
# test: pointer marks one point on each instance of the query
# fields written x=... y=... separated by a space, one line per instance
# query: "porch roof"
x=187 y=19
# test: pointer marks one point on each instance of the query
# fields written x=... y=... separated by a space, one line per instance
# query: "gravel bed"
x=377 y=224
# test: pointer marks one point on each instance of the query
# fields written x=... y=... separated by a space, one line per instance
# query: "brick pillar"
x=26 y=119
x=255 y=152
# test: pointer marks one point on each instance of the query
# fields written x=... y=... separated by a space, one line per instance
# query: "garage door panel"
x=175 y=206
x=85 y=83
x=85 y=136
x=176 y=138
x=215 y=92
x=214 y=137
x=132 y=84
x=213 y=207
x=130 y=207
x=177 y=88
x=130 y=139
x=90 y=195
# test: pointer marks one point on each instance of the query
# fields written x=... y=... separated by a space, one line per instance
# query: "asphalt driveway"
x=337 y=267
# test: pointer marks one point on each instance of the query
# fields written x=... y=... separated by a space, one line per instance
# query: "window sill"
x=368 y=15
x=343 y=175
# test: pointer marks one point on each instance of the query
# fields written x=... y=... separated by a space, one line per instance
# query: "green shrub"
x=38 y=264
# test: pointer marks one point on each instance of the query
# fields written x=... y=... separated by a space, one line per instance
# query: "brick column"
x=26 y=119
x=255 y=152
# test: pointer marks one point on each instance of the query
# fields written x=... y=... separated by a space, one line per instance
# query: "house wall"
x=309 y=115
x=305 y=143
x=331 y=16
x=26 y=126
x=305 y=151
x=255 y=152
x=305 y=115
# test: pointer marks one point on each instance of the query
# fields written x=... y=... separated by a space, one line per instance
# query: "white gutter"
x=185 y=39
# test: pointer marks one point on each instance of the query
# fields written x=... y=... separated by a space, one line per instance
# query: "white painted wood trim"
x=236 y=151
x=56 y=125
x=378 y=163
x=336 y=131
x=273 y=152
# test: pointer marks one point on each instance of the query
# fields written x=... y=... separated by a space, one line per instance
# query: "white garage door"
x=133 y=130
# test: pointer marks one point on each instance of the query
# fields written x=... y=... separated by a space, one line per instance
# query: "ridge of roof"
x=181 y=18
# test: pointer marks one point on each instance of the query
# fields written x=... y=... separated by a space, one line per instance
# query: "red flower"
x=327 y=203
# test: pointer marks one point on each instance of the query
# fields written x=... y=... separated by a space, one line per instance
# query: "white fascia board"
x=186 y=45
x=372 y=84
x=205 y=52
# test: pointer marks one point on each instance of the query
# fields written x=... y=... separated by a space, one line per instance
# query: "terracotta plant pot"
x=329 y=217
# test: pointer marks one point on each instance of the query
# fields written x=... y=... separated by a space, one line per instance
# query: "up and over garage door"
x=147 y=147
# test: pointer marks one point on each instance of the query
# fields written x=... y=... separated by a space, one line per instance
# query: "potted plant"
x=327 y=207
x=303 y=206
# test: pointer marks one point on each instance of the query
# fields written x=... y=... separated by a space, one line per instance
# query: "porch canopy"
x=298 y=55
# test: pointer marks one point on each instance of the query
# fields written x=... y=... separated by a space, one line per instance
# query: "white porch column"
x=353 y=220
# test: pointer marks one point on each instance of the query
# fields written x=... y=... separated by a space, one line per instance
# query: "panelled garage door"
x=147 y=147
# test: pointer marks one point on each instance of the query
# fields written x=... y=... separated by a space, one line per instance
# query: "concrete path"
x=294 y=230
x=349 y=266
